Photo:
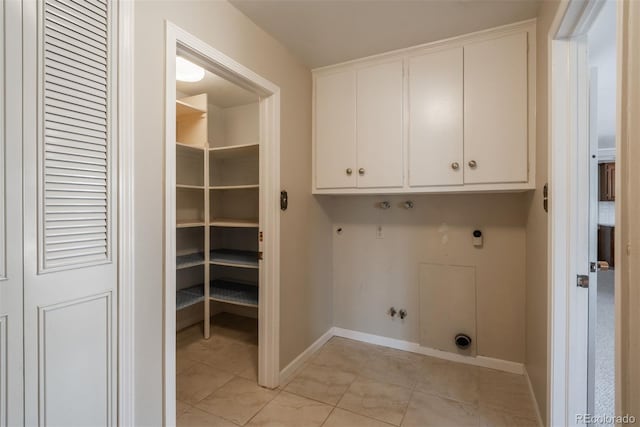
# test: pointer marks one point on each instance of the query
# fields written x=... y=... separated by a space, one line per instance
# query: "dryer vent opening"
x=463 y=341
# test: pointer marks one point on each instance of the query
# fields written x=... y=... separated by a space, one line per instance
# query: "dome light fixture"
x=187 y=71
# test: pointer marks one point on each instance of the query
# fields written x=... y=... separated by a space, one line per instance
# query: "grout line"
x=365 y=416
x=308 y=398
x=263 y=406
x=406 y=409
x=328 y=416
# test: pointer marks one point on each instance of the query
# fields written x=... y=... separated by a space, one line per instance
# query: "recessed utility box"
x=447 y=307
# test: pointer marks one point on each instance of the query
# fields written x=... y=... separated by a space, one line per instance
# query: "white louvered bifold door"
x=70 y=212
x=11 y=281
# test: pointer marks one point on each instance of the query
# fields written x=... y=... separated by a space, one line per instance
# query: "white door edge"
x=126 y=254
x=567 y=367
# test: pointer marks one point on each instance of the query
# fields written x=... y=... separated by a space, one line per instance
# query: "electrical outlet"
x=379 y=232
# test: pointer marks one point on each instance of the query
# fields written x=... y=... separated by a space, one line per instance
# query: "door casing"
x=269 y=303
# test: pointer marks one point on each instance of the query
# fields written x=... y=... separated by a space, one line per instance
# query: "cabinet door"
x=335 y=130
x=495 y=110
x=435 y=119
x=380 y=126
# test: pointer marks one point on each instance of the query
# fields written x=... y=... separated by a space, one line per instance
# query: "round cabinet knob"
x=455 y=166
x=361 y=171
x=349 y=171
x=473 y=164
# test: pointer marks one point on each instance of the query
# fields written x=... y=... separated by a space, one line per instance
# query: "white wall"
x=607 y=213
x=602 y=56
x=371 y=274
x=237 y=125
x=306 y=230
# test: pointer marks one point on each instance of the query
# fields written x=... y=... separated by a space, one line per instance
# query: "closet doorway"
x=222 y=224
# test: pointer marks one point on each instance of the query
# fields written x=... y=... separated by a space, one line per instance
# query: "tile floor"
x=344 y=384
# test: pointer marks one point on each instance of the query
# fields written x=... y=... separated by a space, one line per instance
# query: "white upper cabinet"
x=335 y=130
x=450 y=116
x=435 y=119
x=379 y=125
x=495 y=110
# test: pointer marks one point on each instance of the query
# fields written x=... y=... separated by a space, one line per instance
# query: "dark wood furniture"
x=606 y=244
x=607 y=182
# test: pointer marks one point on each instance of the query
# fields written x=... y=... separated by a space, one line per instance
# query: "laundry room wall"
x=371 y=274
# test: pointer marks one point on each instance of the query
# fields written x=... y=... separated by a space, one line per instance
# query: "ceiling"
x=602 y=55
x=325 y=32
x=219 y=91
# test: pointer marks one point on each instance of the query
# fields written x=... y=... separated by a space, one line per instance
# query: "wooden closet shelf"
x=234 y=151
x=180 y=145
x=233 y=293
x=189 y=296
x=190 y=187
x=234 y=258
x=234 y=187
x=189 y=260
x=183 y=109
x=186 y=223
x=238 y=223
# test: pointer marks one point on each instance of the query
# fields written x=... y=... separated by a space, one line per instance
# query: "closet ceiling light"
x=187 y=71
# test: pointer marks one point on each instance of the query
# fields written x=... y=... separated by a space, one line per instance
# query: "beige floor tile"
x=505 y=392
x=321 y=383
x=389 y=367
x=404 y=355
x=341 y=418
x=231 y=356
x=181 y=407
x=196 y=351
x=291 y=410
x=182 y=364
x=239 y=328
x=293 y=375
x=429 y=410
x=199 y=381
x=352 y=344
x=189 y=335
x=238 y=400
x=343 y=355
x=195 y=417
x=490 y=417
x=251 y=373
x=455 y=381
x=384 y=402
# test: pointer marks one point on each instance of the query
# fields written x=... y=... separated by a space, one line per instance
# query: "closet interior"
x=217 y=221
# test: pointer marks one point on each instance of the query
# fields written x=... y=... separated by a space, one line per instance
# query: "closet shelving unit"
x=191 y=202
x=217 y=196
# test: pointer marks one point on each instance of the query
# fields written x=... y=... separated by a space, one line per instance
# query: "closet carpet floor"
x=344 y=384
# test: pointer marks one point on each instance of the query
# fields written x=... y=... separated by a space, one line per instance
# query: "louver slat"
x=75 y=105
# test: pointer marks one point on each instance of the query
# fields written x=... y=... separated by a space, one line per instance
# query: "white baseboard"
x=483 y=361
x=291 y=368
x=533 y=396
